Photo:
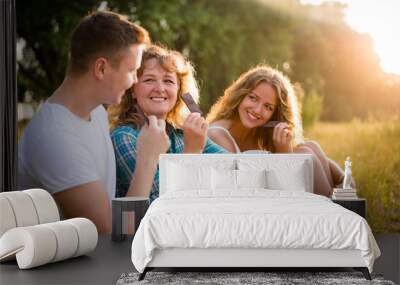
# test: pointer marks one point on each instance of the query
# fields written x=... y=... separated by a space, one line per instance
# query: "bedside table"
x=356 y=205
x=122 y=212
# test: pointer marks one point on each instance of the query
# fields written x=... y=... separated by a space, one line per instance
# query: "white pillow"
x=224 y=179
x=251 y=178
x=290 y=180
x=281 y=173
x=188 y=177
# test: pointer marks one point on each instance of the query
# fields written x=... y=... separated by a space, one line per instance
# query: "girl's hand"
x=282 y=138
x=195 y=133
x=153 y=139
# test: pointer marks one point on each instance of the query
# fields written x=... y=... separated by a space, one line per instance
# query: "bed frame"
x=244 y=259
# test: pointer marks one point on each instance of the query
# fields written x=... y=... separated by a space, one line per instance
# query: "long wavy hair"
x=287 y=109
x=126 y=113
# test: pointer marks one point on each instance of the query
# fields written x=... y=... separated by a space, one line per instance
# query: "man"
x=66 y=147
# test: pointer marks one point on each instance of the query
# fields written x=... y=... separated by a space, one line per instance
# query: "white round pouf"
x=67 y=239
x=87 y=234
x=33 y=246
x=46 y=207
x=7 y=220
x=23 y=208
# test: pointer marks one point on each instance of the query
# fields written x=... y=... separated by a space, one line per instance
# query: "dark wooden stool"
x=122 y=206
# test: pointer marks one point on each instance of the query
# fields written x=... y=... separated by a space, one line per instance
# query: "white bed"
x=247 y=210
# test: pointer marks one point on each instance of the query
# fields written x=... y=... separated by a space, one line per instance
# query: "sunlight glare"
x=381 y=21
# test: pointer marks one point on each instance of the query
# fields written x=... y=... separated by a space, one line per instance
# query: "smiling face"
x=119 y=77
x=258 y=106
x=156 y=90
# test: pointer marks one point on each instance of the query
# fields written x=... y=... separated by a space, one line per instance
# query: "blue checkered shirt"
x=124 y=140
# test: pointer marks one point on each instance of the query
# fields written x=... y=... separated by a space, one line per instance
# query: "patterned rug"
x=229 y=278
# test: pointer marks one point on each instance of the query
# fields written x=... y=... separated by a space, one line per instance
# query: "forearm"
x=89 y=201
x=143 y=176
x=192 y=145
x=188 y=149
x=284 y=149
x=336 y=171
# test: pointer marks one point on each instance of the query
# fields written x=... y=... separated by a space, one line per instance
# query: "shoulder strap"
x=237 y=149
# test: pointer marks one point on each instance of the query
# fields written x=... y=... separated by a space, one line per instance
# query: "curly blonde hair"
x=126 y=113
x=287 y=109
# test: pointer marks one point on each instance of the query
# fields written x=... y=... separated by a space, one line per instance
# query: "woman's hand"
x=282 y=138
x=153 y=139
x=151 y=142
x=195 y=133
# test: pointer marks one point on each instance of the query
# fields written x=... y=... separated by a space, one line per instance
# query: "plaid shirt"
x=124 y=141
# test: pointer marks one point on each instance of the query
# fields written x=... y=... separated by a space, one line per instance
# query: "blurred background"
x=343 y=58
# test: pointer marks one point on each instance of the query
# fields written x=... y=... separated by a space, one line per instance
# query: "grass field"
x=374 y=148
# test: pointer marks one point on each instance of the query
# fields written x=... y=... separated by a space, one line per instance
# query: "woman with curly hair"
x=162 y=79
x=259 y=111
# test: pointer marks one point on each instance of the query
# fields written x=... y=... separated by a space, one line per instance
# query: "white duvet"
x=252 y=218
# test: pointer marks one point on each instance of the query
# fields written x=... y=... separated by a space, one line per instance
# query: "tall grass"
x=374 y=147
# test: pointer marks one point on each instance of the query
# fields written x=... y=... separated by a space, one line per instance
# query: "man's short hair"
x=103 y=34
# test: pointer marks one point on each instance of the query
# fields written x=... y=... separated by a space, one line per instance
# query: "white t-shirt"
x=59 y=150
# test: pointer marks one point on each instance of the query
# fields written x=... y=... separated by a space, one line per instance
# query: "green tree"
x=43 y=28
x=335 y=66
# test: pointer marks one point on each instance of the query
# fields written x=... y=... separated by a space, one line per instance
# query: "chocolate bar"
x=190 y=103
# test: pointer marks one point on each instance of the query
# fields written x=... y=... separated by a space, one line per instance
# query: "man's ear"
x=99 y=68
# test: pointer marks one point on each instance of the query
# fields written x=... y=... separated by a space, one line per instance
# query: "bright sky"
x=380 y=19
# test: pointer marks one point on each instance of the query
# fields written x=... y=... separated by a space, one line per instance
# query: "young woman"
x=261 y=95
x=162 y=78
